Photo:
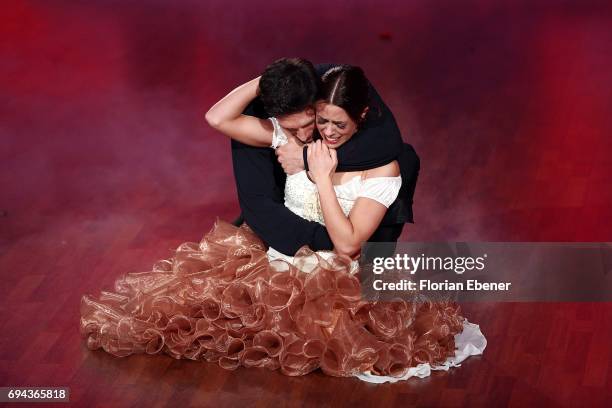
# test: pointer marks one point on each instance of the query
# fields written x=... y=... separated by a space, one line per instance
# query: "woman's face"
x=335 y=126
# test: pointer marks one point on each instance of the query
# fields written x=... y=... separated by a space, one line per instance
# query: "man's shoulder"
x=256 y=108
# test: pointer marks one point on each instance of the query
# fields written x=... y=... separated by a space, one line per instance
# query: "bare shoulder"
x=388 y=170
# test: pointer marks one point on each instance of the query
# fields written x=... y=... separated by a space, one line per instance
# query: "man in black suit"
x=287 y=91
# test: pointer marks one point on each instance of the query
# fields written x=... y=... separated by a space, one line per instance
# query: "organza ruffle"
x=222 y=301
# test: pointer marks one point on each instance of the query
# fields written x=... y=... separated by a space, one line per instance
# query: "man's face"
x=300 y=124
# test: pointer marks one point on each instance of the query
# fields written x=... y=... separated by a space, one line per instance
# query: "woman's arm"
x=226 y=116
x=347 y=234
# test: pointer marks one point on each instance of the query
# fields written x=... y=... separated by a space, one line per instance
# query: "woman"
x=227 y=300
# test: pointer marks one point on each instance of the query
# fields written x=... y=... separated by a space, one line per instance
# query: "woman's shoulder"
x=382 y=184
x=388 y=170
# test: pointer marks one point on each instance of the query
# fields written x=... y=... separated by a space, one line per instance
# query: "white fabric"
x=302 y=197
x=308 y=264
x=278 y=135
x=382 y=189
x=470 y=342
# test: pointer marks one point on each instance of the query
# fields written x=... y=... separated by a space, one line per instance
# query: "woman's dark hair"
x=287 y=86
x=346 y=86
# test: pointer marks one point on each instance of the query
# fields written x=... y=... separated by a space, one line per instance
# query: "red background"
x=106 y=163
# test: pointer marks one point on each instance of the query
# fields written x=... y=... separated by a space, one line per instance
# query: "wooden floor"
x=106 y=166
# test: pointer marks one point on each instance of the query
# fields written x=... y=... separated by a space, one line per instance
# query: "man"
x=287 y=91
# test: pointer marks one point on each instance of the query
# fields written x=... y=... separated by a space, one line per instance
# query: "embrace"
x=320 y=168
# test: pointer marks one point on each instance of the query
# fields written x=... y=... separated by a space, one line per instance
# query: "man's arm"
x=261 y=202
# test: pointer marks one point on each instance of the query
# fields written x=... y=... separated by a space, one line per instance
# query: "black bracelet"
x=304 y=155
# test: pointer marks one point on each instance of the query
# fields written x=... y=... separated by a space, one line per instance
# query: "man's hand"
x=290 y=156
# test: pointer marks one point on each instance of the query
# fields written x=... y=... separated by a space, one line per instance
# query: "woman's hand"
x=322 y=162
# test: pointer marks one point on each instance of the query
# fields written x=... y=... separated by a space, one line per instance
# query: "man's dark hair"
x=287 y=86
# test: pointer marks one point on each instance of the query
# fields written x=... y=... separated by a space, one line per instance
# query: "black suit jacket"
x=260 y=181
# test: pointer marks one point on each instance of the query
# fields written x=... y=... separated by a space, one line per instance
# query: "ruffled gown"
x=221 y=300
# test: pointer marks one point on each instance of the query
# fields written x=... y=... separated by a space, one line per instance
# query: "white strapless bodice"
x=302 y=197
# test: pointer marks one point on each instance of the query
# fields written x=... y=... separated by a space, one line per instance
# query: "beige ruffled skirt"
x=221 y=300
